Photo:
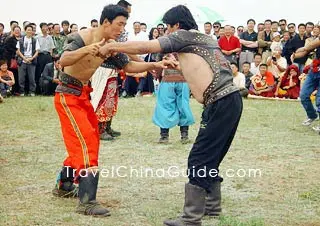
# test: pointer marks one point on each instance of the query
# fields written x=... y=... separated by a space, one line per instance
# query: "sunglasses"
x=216 y=26
x=290 y=27
x=160 y=28
x=282 y=24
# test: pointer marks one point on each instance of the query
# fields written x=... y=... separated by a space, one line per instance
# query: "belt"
x=69 y=85
x=45 y=53
x=247 y=51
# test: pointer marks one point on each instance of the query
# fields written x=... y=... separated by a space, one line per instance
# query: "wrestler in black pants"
x=42 y=60
x=218 y=127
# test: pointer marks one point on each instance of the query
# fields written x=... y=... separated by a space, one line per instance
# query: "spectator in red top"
x=230 y=45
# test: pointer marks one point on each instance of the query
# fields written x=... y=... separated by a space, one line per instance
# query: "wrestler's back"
x=197 y=73
x=85 y=67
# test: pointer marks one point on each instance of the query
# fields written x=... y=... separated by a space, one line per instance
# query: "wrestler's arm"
x=69 y=58
x=301 y=52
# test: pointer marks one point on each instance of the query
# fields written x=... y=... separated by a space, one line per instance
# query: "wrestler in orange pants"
x=79 y=129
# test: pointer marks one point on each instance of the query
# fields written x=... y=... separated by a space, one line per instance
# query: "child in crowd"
x=6 y=79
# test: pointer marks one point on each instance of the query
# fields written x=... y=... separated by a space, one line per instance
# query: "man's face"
x=56 y=29
x=1 y=29
x=234 y=69
x=50 y=29
x=136 y=28
x=257 y=60
x=309 y=28
x=94 y=24
x=245 y=68
x=13 y=25
x=17 y=32
x=286 y=36
x=316 y=31
x=171 y=29
x=143 y=28
x=216 y=28
x=301 y=30
x=250 y=25
x=267 y=26
x=29 y=31
x=291 y=28
x=282 y=25
x=263 y=70
x=227 y=30
x=161 y=29
x=65 y=27
x=74 y=28
x=274 y=27
x=34 y=30
x=207 y=28
x=113 y=30
x=260 y=27
x=221 y=32
x=44 y=29
x=57 y=64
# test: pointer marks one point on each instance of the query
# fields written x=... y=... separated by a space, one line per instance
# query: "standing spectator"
x=292 y=29
x=283 y=26
x=248 y=39
x=9 y=54
x=208 y=28
x=94 y=23
x=240 y=30
x=27 y=50
x=286 y=51
x=65 y=28
x=160 y=28
x=143 y=27
x=239 y=80
x=221 y=32
x=309 y=29
x=58 y=41
x=297 y=42
x=50 y=29
x=73 y=28
x=260 y=27
x=45 y=53
x=50 y=77
x=6 y=79
x=34 y=29
x=230 y=45
x=13 y=24
x=254 y=67
x=265 y=40
x=216 y=29
x=247 y=73
x=274 y=26
x=2 y=38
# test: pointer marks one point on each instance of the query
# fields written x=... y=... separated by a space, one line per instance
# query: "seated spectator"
x=289 y=84
x=50 y=77
x=6 y=79
x=276 y=42
x=254 y=67
x=262 y=84
x=247 y=73
x=277 y=64
x=239 y=80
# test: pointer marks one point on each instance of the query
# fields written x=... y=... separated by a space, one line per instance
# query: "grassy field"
x=270 y=138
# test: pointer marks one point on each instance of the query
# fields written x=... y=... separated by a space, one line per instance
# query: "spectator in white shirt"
x=254 y=67
x=239 y=80
x=277 y=64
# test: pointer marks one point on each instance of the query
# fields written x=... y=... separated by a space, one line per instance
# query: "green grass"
x=270 y=138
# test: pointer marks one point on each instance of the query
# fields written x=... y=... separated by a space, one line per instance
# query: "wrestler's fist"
x=168 y=63
x=93 y=49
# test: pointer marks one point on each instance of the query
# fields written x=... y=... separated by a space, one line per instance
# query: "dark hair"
x=143 y=24
x=2 y=62
x=136 y=22
x=310 y=23
x=260 y=24
x=283 y=20
x=235 y=64
x=94 y=21
x=28 y=25
x=275 y=22
x=65 y=22
x=55 y=25
x=285 y=32
x=82 y=28
x=208 y=23
x=239 y=27
x=55 y=59
x=43 y=24
x=1 y=24
x=12 y=22
x=124 y=4
x=291 y=24
x=160 y=25
x=72 y=25
x=151 y=33
x=246 y=62
x=182 y=15
x=49 y=24
x=233 y=27
x=263 y=65
x=110 y=12
x=16 y=27
x=217 y=23
x=268 y=20
x=251 y=20
x=33 y=24
x=257 y=54
x=302 y=25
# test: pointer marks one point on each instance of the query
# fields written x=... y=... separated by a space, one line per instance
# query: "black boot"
x=194 y=206
x=213 y=200
x=110 y=131
x=87 y=194
x=64 y=187
x=184 y=134
x=104 y=135
x=164 y=133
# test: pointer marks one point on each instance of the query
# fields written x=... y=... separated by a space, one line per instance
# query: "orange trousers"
x=80 y=131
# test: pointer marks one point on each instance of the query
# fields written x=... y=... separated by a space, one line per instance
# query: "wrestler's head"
x=179 y=17
x=113 y=20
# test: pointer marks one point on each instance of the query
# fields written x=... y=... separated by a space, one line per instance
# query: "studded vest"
x=183 y=41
